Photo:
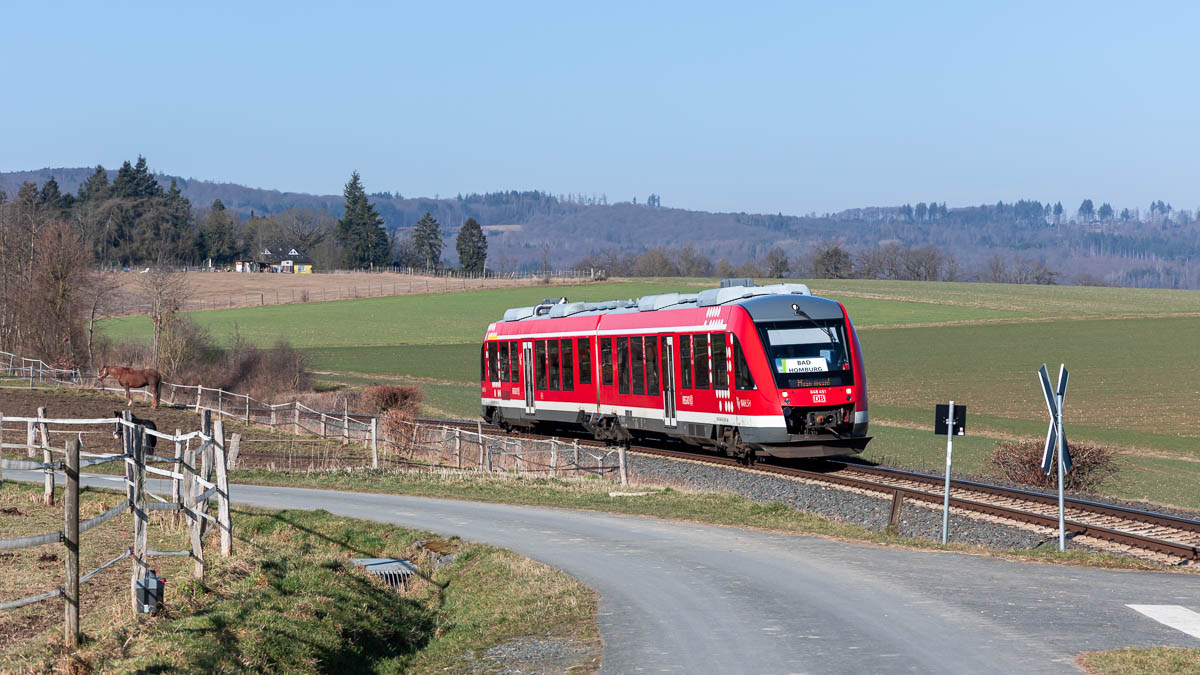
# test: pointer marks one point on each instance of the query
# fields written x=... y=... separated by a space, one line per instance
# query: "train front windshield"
x=806 y=354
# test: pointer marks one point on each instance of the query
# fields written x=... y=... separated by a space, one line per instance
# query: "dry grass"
x=33 y=633
x=215 y=290
x=1134 y=661
x=290 y=601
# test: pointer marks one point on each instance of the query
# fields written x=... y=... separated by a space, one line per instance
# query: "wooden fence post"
x=247 y=408
x=479 y=431
x=30 y=441
x=220 y=406
x=176 y=486
x=897 y=507
x=220 y=462
x=621 y=462
x=189 y=488
x=206 y=472
x=374 y=443
x=553 y=457
x=296 y=418
x=199 y=391
x=71 y=539
x=235 y=446
x=1 y=446
x=345 y=421
x=47 y=458
x=575 y=449
x=457 y=448
x=138 y=506
x=323 y=425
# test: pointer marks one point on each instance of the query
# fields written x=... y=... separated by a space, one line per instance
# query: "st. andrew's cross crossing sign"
x=1053 y=399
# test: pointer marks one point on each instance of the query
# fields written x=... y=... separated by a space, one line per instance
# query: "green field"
x=1134 y=357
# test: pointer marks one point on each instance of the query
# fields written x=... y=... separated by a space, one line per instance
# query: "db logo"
x=818 y=398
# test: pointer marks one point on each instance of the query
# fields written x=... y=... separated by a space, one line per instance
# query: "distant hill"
x=1155 y=249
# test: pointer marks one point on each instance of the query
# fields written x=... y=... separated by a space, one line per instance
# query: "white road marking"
x=1179 y=618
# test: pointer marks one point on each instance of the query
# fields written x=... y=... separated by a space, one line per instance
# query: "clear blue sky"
x=760 y=107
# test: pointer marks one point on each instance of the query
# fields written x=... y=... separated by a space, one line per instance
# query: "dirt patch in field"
x=217 y=290
x=83 y=404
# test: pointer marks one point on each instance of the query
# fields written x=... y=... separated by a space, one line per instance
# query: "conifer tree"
x=472 y=247
x=427 y=240
x=360 y=232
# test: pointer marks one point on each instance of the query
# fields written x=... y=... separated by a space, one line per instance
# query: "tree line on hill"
x=132 y=221
x=830 y=260
x=1152 y=246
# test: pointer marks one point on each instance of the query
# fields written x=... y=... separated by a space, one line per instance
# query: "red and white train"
x=743 y=369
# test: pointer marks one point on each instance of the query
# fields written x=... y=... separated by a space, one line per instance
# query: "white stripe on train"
x=643 y=413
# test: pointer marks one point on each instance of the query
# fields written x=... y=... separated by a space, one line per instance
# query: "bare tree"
x=98 y=296
x=166 y=288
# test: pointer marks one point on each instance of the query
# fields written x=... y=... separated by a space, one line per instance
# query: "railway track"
x=1154 y=536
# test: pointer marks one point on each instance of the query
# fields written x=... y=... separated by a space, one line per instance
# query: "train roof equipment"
x=731 y=291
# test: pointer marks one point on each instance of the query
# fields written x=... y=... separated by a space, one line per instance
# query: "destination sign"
x=809 y=365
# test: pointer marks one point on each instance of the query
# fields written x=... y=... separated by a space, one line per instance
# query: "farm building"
x=278 y=257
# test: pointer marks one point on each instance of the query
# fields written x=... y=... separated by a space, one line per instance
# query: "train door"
x=668 y=381
x=527 y=363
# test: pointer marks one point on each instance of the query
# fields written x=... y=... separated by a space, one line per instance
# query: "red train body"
x=743 y=369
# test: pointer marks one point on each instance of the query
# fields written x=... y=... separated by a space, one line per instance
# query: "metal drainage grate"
x=394 y=572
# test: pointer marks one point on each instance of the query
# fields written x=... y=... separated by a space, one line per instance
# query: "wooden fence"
x=394 y=447
x=191 y=491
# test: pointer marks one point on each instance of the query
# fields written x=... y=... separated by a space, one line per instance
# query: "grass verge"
x=1135 y=661
x=288 y=600
x=593 y=494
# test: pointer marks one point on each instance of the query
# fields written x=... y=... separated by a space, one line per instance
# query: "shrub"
x=381 y=398
x=189 y=355
x=1021 y=462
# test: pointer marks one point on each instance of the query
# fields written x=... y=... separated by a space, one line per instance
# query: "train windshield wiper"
x=828 y=331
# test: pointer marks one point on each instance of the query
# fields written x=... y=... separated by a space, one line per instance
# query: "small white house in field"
x=280 y=257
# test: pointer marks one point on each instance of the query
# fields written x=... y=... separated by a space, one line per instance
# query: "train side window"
x=606 y=362
x=493 y=366
x=568 y=365
x=742 y=379
x=700 y=359
x=555 y=379
x=652 y=365
x=720 y=365
x=514 y=360
x=622 y=365
x=539 y=363
x=637 y=361
x=585 y=360
x=503 y=361
x=685 y=361
x=482 y=362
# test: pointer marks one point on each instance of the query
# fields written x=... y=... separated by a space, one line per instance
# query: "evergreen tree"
x=1058 y=211
x=427 y=240
x=1105 y=212
x=1086 y=209
x=96 y=187
x=472 y=247
x=218 y=241
x=136 y=181
x=360 y=232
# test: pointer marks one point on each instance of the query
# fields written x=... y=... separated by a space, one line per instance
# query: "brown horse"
x=130 y=377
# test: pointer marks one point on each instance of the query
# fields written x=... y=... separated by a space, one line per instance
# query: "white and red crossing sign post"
x=1056 y=441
